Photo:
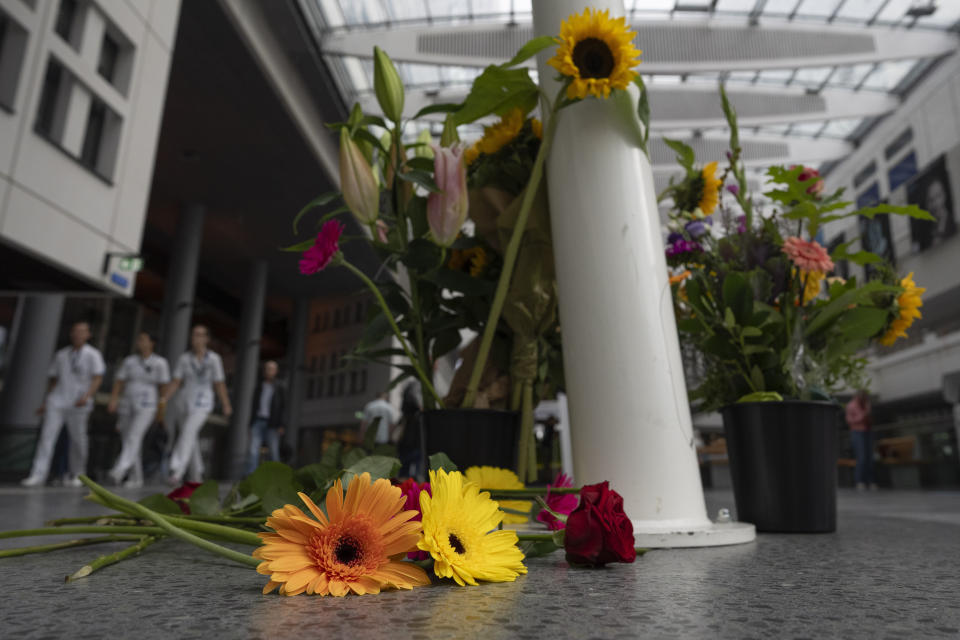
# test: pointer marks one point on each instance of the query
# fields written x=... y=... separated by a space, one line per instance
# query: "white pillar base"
x=717 y=534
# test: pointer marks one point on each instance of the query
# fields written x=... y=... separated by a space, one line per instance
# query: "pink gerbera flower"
x=411 y=491
x=324 y=248
x=563 y=503
x=807 y=255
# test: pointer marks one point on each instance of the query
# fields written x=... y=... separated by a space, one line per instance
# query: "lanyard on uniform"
x=201 y=373
x=75 y=361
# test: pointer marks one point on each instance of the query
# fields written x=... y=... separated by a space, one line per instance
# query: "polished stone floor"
x=891 y=571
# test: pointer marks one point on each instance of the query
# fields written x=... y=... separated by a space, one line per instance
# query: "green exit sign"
x=130 y=264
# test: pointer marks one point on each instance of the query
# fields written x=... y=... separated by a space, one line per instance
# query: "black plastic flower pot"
x=472 y=437
x=783 y=463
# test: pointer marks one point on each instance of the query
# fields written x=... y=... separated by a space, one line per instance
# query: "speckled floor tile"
x=891 y=571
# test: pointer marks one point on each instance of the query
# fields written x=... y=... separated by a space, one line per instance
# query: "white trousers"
x=53 y=420
x=132 y=425
x=186 y=452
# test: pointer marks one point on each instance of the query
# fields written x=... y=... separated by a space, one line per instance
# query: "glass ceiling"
x=355 y=75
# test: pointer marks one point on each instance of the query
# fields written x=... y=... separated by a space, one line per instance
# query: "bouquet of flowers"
x=753 y=290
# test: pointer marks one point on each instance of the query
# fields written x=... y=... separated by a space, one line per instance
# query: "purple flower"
x=741 y=224
x=682 y=246
x=734 y=189
x=674 y=238
x=697 y=228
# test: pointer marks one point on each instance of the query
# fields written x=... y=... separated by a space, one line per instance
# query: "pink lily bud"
x=359 y=187
x=447 y=210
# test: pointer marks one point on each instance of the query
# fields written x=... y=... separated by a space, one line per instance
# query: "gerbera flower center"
x=593 y=58
x=348 y=551
x=456 y=544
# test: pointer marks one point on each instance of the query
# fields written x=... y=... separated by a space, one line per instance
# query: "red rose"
x=598 y=531
x=181 y=493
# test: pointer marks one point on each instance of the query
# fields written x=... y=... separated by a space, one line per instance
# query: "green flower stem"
x=82 y=542
x=536 y=537
x=393 y=325
x=142 y=511
x=515 y=512
x=57 y=531
x=225 y=519
x=113 y=558
x=231 y=534
x=113 y=518
x=510 y=259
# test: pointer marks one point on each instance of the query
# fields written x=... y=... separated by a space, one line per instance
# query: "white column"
x=181 y=282
x=629 y=414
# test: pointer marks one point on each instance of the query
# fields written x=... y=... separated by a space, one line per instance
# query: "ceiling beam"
x=671 y=46
x=698 y=106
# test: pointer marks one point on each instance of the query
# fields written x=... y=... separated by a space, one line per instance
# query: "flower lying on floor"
x=460 y=532
x=562 y=503
x=497 y=478
x=351 y=550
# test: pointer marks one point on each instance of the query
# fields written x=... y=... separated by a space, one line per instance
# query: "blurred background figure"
x=381 y=408
x=136 y=390
x=199 y=371
x=269 y=405
x=859 y=420
x=74 y=377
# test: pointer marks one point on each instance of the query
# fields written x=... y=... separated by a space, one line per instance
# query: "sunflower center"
x=593 y=58
x=456 y=544
x=348 y=551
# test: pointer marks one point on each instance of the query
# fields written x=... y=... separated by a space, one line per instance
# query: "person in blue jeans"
x=269 y=405
x=859 y=419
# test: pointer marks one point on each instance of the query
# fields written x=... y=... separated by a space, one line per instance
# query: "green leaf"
x=354 y=456
x=319 y=474
x=863 y=257
x=377 y=466
x=319 y=201
x=538 y=548
x=762 y=396
x=756 y=377
x=441 y=107
x=643 y=111
x=738 y=296
x=377 y=329
x=161 y=504
x=685 y=154
x=498 y=90
x=205 y=500
x=729 y=321
x=274 y=482
x=421 y=164
x=445 y=342
x=731 y=115
x=910 y=210
x=751 y=332
x=832 y=310
x=862 y=323
x=441 y=460
x=420 y=178
x=530 y=49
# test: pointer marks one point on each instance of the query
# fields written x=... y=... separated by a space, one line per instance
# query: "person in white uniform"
x=380 y=412
x=75 y=375
x=136 y=390
x=199 y=371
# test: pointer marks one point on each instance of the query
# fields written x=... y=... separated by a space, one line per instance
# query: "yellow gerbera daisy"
x=597 y=53
x=497 y=478
x=812 y=283
x=460 y=533
x=909 y=303
x=710 y=196
x=357 y=548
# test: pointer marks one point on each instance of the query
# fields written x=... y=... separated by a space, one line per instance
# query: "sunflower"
x=471 y=153
x=460 y=533
x=710 y=195
x=596 y=52
x=475 y=258
x=498 y=135
x=356 y=549
x=497 y=478
x=908 y=303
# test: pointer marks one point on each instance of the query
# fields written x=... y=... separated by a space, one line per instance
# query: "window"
x=341 y=381
x=842 y=267
x=864 y=174
x=353 y=383
x=310 y=385
x=903 y=170
x=363 y=381
x=68 y=25
x=51 y=114
x=319 y=387
x=331 y=386
x=333 y=361
x=13 y=47
x=898 y=143
x=116 y=59
x=92 y=139
x=109 y=56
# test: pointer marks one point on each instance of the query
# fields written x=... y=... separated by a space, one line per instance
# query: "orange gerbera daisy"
x=357 y=548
